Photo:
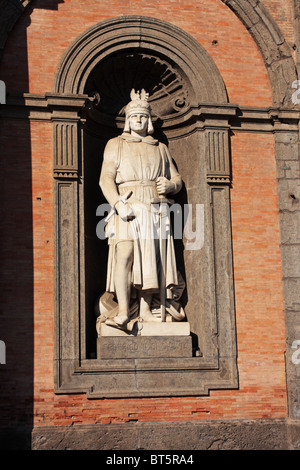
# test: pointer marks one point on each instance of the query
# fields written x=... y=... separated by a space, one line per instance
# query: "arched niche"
x=135 y=32
x=191 y=114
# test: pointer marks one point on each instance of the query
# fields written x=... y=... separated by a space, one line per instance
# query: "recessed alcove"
x=191 y=115
x=114 y=77
x=109 y=85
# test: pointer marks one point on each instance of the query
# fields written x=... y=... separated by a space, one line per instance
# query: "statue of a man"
x=136 y=177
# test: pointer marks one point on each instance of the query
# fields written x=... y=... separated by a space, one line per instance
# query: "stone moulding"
x=50 y=106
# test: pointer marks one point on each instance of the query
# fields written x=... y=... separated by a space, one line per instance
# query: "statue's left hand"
x=124 y=210
x=164 y=186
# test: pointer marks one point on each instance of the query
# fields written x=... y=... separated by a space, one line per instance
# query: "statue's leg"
x=124 y=259
x=145 y=307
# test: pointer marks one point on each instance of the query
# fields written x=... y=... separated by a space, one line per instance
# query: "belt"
x=137 y=183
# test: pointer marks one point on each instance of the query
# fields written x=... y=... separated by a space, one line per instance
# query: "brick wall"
x=16 y=274
x=219 y=31
x=29 y=63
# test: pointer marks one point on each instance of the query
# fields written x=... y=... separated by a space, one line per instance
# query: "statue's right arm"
x=108 y=174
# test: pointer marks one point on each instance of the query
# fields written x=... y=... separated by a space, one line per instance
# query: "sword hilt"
x=161 y=200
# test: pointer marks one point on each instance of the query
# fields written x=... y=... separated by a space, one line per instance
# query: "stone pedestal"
x=148 y=329
x=145 y=341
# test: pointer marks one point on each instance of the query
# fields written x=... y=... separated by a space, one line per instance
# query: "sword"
x=163 y=258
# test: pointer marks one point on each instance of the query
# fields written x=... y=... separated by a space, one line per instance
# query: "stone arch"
x=150 y=34
x=254 y=15
x=275 y=51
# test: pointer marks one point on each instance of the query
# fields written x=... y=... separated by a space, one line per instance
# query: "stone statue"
x=137 y=177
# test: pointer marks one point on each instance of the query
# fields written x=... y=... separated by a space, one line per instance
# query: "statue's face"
x=139 y=122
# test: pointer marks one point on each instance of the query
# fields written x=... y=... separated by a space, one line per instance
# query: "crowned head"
x=138 y=105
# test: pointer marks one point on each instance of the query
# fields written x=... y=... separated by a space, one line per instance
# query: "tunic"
x=139 y=163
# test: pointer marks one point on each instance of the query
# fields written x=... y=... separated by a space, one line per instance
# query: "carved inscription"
x=144 y=347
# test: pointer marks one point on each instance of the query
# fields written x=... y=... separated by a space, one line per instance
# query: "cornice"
x=54 y=107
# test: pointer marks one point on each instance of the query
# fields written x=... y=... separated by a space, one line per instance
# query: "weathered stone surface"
x=292 y=296
x=288 y=189
x=85 y=437
x=294 y=435
x=280 y=434
x=235 y=435
x=288 y=194
x=200 y=435
x=290 y=224
x=291 y=255
x=287 y=150
x=141 y=347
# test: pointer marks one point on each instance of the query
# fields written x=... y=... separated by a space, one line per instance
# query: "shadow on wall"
x=45 y=4
x=16 y=245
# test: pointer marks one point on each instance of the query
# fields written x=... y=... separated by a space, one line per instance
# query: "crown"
x=139 y=102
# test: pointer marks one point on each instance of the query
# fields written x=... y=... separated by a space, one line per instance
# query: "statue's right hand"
x=124 y=210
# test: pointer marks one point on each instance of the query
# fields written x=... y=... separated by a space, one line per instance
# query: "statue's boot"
x=148 y=317
x=120 y=321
